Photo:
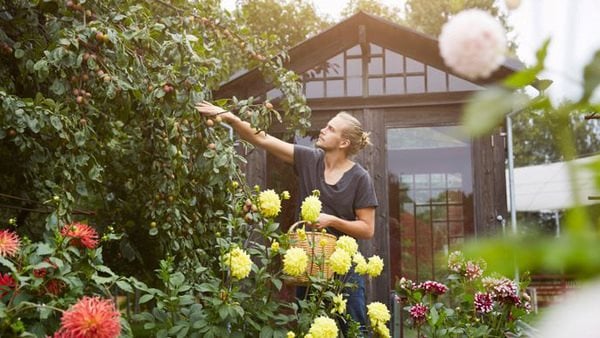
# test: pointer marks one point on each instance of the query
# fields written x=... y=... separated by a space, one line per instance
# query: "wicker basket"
x=318 y=254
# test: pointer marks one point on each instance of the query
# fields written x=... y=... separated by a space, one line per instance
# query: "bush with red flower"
x=38 y=280
x=469 y=304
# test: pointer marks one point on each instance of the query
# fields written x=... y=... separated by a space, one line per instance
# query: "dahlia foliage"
x=325 y=303
x=469 y=304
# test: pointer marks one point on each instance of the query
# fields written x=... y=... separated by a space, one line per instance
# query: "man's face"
x=330 y=136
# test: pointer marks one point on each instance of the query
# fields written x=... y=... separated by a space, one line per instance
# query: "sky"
x=573 y=26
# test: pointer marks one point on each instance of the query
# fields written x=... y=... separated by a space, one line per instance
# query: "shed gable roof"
x=363 y=29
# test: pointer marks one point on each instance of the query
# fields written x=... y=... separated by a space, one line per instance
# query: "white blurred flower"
x=575 y=316
x=512 y=4
x=473 y=44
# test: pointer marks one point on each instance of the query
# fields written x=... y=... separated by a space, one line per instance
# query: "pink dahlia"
x=503 y=290
x=7 y=283
x=473 y=43
x=82 y=235
x=483 y=302
x=433 y=287
x=406 y=284
x=9 y=243
x=473 y=270
x=418 y=312
x=91 y=317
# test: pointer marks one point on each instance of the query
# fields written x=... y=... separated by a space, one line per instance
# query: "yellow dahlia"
x=310 y=209
x=275 y=247
x=375 y=266
x=361 y=267
x=285 y=195
x=323 y=327
x=301 y=234
x=239 y=262
x=382 y=330
x=348 y=244
x=340 y=261
x=295 y=261
x=339 y=304
x=378 y=313
x=290 y=334
x=269 y=203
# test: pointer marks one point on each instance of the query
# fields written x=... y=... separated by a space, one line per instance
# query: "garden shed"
x=435 y=185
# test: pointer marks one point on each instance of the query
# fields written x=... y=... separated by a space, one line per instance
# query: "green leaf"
x=542 y=52
x=207 y=287
x=434 y=316
x=123 y=285
x=591 y=77
x=277 y=283
x=33 y=124
x=543 y=84
x=119 y=17
x=105 y=269
x=40 y=66
x=58 y=87
x=94 y=173
x=176 y=328
x=82 y=189
x=56 y=123
x=44 y=249
x=487 y=108
x=522 y=78
x=224 y=312
x=80 y=138
x=172 y=150
x=145 y=298
x=44 y=312
x=177 y=279
x=266 y=332
x=5 y=262
x=19 y=53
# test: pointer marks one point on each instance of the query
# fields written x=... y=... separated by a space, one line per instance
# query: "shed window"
x=383 y=71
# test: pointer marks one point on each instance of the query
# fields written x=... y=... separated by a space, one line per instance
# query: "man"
x=346 y=189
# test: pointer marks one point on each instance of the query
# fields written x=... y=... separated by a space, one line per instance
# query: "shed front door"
x=430 y=185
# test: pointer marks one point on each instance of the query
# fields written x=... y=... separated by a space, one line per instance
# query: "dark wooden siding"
x=374 y=160
x=490 y=183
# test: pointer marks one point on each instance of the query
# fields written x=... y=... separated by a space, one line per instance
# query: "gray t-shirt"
x=354 y=190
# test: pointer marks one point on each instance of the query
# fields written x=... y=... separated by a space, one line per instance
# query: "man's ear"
x=345 y=143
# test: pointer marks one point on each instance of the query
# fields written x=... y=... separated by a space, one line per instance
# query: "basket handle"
x=291 y=229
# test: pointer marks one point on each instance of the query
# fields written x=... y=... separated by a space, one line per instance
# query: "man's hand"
x=208 y=108
x=324 y=221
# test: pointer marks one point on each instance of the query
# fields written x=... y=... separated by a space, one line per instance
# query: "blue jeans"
x=356 y=305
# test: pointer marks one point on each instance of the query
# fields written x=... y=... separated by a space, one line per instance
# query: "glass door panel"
x=430 y=188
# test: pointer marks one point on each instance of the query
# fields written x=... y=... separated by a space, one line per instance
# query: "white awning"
x=548 y=186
